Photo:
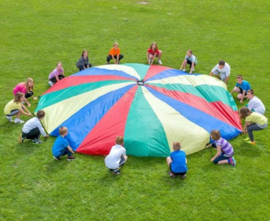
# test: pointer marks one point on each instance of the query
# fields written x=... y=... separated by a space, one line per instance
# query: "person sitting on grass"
x=15 y=107
x=225 y=151
x=57 y=74
x=177 y=162
x=253 y=122
x=33 y=128
x=152 y=53
x=117 y=156
x=114 y=54
x=222 y=71
x=61 y=146
x=241 y=87
x=83 y=62
x=27 y=89
x=255 y=104
x=191 y=60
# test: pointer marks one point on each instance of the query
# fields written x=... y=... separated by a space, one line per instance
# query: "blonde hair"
x=28 y=89
x=215 y=134
x=62 y=130
x=17 y=97
x=119 y=140
x=176 y=146
x=115 y=43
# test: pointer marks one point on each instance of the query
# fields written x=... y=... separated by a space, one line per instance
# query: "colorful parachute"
x=152 y=106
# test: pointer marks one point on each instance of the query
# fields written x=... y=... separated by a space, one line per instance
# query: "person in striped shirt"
x=253 y=122
x=225 y=151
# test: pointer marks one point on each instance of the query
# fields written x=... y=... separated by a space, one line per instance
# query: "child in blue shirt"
x=177 y=161
x=241 y=88
x=61 y=146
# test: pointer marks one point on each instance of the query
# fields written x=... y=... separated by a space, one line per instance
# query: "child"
x=33 y=128
x=83 y=62
x=27 y=89
x=177 y=161
x=241 y=88
x=191 y=60
x=57 y=74
x=225 y=151
x=117 y=156
x=222 y=71
x=152 y=53
x=114 y=54
x=253 y=122
x=15 y=107
x=255 y=104
x=61 y=146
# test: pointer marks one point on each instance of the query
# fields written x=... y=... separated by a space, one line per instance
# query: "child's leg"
x=159 y=55
x=123 y=160
x=54 y=79
x=236 y=89
x=250 y=128
x=221 y=159
x=29 y=94
x=185 y=64
x=120 y=56
x=18 y=115
x=32 y=134
x=109 y=57
x=169 y=160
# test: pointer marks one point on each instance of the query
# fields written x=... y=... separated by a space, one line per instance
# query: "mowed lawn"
x=37 y=34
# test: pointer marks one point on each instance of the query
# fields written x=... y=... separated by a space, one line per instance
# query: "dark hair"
x=215 y=134
x=251 y=91
x=40 y=114
x=244 y=112
x=221 y=62
x=239 y=76
x=17 y=97
x=83 y=52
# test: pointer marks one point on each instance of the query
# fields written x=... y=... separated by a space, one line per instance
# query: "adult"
x=57 y=74
x=83 y=62
x=152 y=53
x=241 y=87
x=26 y=88
x=189 y=59
x=222 y=71
x=255 y=104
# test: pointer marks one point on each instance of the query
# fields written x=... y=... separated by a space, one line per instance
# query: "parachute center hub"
x=140 y=83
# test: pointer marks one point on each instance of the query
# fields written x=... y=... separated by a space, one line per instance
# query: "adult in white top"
x=33 y=128
x=255 y=104
x=222 y=71
x=189 y=59
x=117 y=156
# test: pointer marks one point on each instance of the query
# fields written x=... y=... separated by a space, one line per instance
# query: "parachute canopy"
x=151 y=106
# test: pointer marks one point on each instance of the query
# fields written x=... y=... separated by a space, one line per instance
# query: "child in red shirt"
x=152 y=53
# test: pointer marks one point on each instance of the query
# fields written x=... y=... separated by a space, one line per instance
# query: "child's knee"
x=215 y=161
x=239 y=96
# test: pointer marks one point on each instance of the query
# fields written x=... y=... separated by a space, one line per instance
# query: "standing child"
x=27 y=89
x=115 y=54
x=117 y=156
x=253 y=122
x=61 y=146
x=15 y=107
x=57 y=74
x=241 y=87
x=190 y=59
x=33 y=128
x=225 y=151
x=83 y=62
x=152 y=53
x=177 y=161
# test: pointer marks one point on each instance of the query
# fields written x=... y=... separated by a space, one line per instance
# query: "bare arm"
x=226 y=79
x=245 y=127
x=27 y=113
x=242 y=96
x=182 y=65
x=70 y=149
x=192 y=67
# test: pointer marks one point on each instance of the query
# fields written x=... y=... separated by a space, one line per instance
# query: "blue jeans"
x=64 y=152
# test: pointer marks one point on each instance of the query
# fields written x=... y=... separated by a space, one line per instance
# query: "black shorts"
x=190 y=63
x=241 y=91
x=181 y=174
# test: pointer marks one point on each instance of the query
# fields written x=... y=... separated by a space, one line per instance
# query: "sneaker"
x=184 y=69
x=232 y=161
x=172 y=175
x=246 y=139
x=150 y=60
x=70 y=158
x=251 y=142
x=50 y=83
x=56 y=158
x=9 y=118
x=159 y=61
x=18 y=121
x=184 y=176
x=36 y=141
x=21 y=138
x=116 y=172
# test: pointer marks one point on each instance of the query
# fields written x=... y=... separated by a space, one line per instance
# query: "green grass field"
x=37 y=34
